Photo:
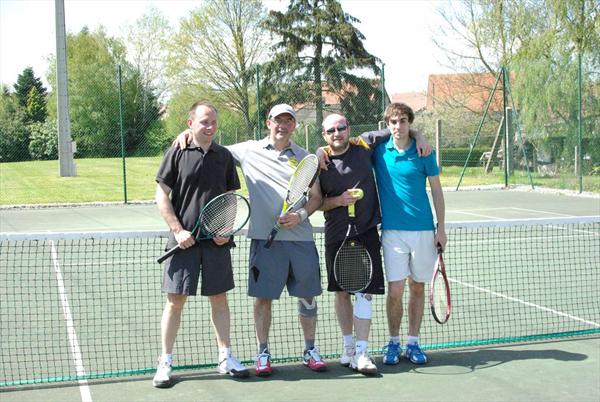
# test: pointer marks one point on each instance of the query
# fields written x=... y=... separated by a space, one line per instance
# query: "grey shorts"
x=291 y=263
x=183 y=269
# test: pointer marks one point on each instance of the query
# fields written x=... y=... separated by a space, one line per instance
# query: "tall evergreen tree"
x=318 y=44
x=25 y=81
x=36 y=106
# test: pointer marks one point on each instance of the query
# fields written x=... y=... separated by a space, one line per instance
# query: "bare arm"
x=423 y=147
x=440 y=210
x=184 y=238
x=342 y=200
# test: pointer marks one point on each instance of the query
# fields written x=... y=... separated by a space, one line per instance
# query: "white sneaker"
x=347 y=355
x=363 y=363
x=230 y=365
x=162 y=378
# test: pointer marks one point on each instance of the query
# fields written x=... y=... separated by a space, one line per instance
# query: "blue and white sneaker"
x=415 y=354
x=392 y=353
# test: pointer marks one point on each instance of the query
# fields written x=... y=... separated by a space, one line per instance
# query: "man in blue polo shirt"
x=409 y=235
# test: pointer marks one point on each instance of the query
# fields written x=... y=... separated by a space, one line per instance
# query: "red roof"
x=470 y=90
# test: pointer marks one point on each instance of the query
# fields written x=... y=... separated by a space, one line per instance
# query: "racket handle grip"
x=272 y=236
x=169 y=253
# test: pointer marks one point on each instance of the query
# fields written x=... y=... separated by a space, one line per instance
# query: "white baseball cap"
x=281 y=109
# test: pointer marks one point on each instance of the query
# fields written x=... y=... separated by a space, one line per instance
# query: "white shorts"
x=408 y=253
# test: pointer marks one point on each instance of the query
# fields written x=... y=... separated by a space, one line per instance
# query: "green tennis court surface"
x=77 y=307
x=82 y=306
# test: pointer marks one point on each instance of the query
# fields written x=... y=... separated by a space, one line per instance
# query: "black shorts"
x=183 y=269
x=371 y=241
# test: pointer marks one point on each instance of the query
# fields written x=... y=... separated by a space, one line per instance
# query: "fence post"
x=508 y=143
x=258 y=123
x=306 y=136
x=122 y=134
x=577 y=161
x=438 y=142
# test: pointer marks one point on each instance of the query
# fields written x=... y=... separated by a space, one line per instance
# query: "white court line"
x=481 y=215
x=543 y=212
x=592 y=323
x=84 y=389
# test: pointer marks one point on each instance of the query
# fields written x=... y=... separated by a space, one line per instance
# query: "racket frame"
x=291 y=205
x=440 y=270
x=351 y=226
x=201 y=233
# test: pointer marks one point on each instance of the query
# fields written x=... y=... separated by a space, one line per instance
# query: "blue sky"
x=397 y=31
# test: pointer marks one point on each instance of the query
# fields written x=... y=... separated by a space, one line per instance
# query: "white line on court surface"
x=84 y=389
x=542 y=212
x=595 y=324
x=480 y=215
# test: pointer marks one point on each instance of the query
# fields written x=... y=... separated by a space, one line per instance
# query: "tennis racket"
x=352 y=266
x=223 y=216
x=439 y=290
x=300 y=183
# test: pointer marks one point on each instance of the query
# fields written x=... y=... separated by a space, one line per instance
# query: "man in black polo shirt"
x=187 y=180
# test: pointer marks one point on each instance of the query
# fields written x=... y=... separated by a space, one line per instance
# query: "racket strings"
x=219 y=218
x=302 y=178
x=440 y=297
x=353 y=266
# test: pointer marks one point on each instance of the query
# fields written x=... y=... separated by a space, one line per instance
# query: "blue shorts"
x=294 y=264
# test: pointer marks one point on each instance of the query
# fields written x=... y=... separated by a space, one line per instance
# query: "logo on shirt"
x=293 y=162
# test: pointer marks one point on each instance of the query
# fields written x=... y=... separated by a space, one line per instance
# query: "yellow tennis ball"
x=357 y=193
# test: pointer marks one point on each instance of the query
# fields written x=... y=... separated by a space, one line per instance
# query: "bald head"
x=333 y=118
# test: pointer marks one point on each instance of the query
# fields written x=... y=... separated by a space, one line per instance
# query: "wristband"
x=302 y=213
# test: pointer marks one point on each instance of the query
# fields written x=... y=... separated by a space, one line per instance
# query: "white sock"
x=412 y=340
x=166 y=358
x=224 y=353
x=348 y=340
x=361 y=346
x=395 y=339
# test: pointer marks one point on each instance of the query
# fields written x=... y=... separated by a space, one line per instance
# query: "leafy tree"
x=217 y=47
x=541 y=52
x=25 y=81
x=14 y=134
x=318 y=44
x=44 y=140
x=92 y=60
x=148 y=40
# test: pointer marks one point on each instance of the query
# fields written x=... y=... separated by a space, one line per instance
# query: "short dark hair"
x=200 y=103
x=398 y=109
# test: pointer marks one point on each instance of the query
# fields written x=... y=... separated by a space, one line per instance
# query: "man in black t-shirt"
x=187 y=180
x=350 y=168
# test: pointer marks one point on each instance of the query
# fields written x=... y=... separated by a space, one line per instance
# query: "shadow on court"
x=565 y=370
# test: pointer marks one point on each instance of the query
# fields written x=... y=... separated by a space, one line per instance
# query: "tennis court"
x=81 y=312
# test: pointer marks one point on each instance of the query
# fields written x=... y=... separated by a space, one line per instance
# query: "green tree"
x=44 y=140
x=36 y=106
x=319 y=47
x=542 y=55
x=14 y=133
x=25 y=81
x=92 y=60
x=217 y=47
x=148 y=40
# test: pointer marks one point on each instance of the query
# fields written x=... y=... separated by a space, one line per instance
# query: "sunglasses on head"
x=334 y=129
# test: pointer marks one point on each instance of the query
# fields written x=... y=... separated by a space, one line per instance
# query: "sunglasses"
x=334 y=129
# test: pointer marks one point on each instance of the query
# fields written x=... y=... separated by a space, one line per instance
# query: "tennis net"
x=80 y=306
